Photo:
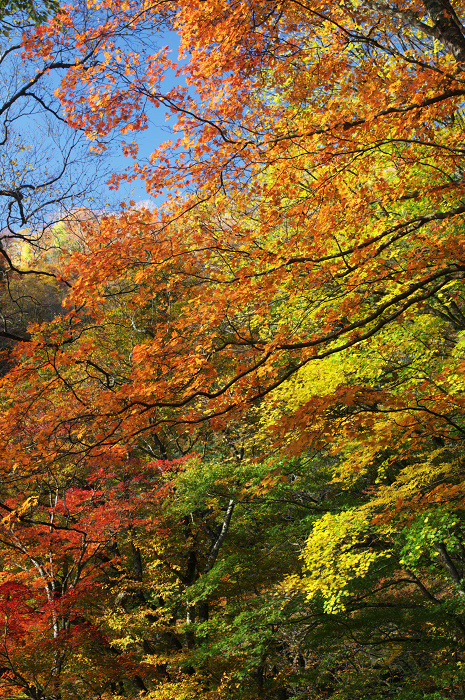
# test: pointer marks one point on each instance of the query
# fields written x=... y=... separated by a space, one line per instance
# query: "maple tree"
x=284 y=244
x=46 y=168
x=289 y=323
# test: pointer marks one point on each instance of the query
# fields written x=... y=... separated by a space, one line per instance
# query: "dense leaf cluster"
x=232 y=428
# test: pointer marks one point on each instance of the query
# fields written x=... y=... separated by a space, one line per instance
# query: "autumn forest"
x=232 y=414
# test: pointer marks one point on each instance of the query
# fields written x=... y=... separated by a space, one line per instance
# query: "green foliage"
x=35 y=12
x=232 y=468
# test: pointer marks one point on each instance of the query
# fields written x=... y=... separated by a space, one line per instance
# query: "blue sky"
x=159 y=130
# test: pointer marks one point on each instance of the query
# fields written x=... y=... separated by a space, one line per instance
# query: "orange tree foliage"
x=300 y=294
x=322 y=150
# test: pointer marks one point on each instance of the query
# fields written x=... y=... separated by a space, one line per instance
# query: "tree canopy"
x=232 y=462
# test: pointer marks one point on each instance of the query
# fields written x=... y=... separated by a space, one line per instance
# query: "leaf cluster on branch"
x=232 y=462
